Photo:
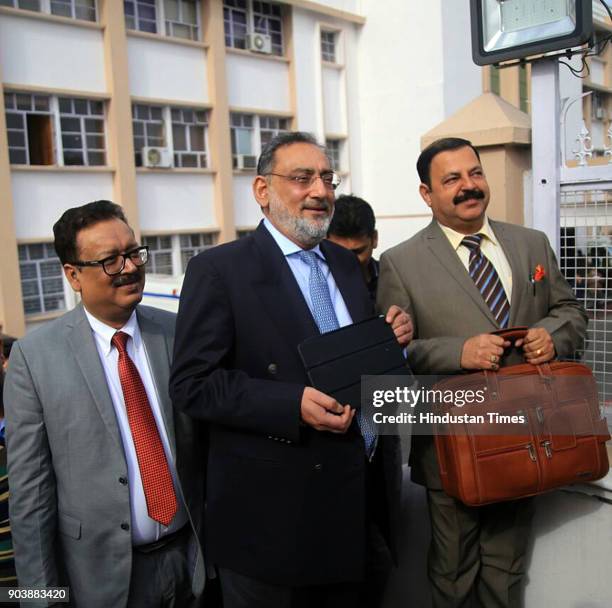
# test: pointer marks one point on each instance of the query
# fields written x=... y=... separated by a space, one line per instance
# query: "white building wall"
x=334 y=100
x=164 y=70
x=40 y=197
x=407 y=83
x=257 y=82
x=54 y=55
x=175 y=202
x=248 y=212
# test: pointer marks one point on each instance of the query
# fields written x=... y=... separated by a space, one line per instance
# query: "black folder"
x=335 y=361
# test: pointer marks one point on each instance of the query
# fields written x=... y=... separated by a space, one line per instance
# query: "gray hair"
x=265 y=164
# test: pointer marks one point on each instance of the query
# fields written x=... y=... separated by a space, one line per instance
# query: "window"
x=192 y=244
x=149 y=129
x=178 y=18
x=140 y=15
x=240 y=234
x=74 y=9
x=189 y=137
x=160 y=254
x=235 y=23
x=333 y=147
x=250 y=133
x=243 y=16
x=328 y=46
x=269 y=127
x=598 y=106
x=181 y=18
x=267 y=19
x=29 y=129
x=82 y=127
x=38 y=124
x=241 y=127
x=42 y=283
x=169 y=254
x=188 y=129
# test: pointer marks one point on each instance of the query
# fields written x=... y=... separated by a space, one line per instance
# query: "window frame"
x=278 y=49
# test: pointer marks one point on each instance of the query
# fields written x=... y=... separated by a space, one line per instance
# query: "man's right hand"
x=324 y=413
x=483 y=352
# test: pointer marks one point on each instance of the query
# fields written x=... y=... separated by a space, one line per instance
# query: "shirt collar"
x=105 y=332
x=287 y=246
x=455 y=237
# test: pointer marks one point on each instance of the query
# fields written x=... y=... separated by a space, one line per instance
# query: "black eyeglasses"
x=330 y=180
x=114 y=264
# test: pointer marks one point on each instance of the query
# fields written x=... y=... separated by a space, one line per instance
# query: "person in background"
x=354 y=227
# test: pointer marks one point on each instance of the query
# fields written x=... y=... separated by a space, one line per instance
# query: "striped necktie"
x=326 y=320
x=487 y=280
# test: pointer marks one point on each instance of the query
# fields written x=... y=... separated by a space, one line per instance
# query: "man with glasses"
x=297 y=486
x=106 y=483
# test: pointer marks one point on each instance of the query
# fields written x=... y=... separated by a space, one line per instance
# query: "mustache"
x=321 y=204
x=127 y=279
x=475 y=193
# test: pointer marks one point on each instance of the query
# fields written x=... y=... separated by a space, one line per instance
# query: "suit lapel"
x=83 y=346
x=158 y=356
x=278 y=290
x=448 y=258
x=512 y=254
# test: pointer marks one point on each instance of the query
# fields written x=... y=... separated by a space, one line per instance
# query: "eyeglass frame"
x=312 y=177
x=125 y=256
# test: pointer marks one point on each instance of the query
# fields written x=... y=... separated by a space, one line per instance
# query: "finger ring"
x=539 y=352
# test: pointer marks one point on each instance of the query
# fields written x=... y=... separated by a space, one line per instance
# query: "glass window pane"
x=148 y=26
x=24 y=102
x=72 y=157
x=70 y=124
x=36 y=251
x=179 y=137
x=171 y=9
x=28 y=271
x=243 y=141
x=96 y=107
x=17 y=157
x=96 y=158
x=156 y=113
x=16 y=139
x=41 y=103
x=14 y=121
x=189 y=160
x=95 y=142
x=65 y=105
x=80 y=106
x=72 y=141
x=196 y=135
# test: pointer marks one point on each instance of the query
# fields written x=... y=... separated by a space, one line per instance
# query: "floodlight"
x=515 y=29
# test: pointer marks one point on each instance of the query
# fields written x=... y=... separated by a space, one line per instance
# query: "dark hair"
x=265 y=164
x=75 y=219
x=353 y=217
x=432 y=150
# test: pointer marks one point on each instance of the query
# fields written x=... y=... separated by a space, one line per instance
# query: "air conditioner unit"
x=246 y=162
x=260 y=43
x=156 y=158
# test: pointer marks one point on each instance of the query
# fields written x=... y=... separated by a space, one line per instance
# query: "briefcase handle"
x=512 y=334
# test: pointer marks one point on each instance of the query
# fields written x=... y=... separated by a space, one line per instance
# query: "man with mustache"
x=461 y=278
x=106 y=481
x=301 y=495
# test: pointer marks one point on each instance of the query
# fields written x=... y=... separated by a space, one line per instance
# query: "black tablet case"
x=335 y=361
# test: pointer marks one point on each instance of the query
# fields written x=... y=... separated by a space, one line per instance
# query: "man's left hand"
x=401 y=323
x=537 y=346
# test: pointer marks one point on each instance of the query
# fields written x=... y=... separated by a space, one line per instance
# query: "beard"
x=307 y=232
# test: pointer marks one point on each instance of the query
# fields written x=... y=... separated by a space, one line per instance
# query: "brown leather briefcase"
x=537 y=428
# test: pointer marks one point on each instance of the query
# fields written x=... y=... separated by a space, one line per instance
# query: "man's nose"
x=318 y=188
x=467 y=182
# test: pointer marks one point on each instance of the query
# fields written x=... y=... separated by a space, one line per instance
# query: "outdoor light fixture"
x=514 y=29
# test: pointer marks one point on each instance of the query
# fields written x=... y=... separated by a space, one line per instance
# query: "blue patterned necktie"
x=487 y=280
x=326 y=320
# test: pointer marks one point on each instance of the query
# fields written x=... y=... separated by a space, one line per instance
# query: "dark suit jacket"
x=425 y=276
x=285 y=503
x=66 y=460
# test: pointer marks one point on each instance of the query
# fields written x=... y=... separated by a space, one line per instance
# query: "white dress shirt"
x=144 y=529
x=301 y=272
x=490 y=247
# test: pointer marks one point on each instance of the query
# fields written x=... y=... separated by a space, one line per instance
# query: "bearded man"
x=299 y=497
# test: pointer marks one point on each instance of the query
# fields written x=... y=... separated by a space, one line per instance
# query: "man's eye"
x=328 y=178
x=302 y=179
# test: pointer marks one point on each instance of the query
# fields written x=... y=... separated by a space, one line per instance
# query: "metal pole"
x=546 y=148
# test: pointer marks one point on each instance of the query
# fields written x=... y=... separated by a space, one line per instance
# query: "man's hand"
x=537 y=346
x=401 y=323
x=483 y=352
x=324 y=413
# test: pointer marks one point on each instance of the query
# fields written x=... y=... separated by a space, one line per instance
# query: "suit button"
x=318 y=467
x=123 y=481
x=273 y=369
x=125 y=526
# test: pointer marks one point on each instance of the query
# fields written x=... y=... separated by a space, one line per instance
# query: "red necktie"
x=154 y=471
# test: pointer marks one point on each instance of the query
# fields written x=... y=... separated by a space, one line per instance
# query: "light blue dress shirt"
x=301 y=272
